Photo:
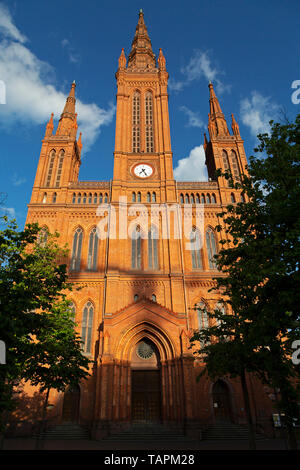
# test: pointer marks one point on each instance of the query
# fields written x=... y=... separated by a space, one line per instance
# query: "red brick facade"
x=136 y=297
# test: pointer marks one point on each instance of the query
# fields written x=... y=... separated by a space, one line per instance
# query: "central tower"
x=142 y=140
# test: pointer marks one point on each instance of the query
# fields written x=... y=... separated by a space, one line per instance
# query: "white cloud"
x=200 y=66
x=193 y=118
x=257 y=111
x=74 y=57
x=18 y=180
x=30 y=95
x=7 y=28
x=192 y=168
x=8 y=211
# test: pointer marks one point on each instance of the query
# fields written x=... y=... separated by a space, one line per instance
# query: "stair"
x=228 y=431
x=148 y=432
x=66 y=431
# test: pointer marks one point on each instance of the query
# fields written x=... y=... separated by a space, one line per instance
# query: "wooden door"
x=70 y=412
x=146 y=395
x=221 y=402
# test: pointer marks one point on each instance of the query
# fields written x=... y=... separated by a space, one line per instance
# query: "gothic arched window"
x=54 y=198
x=74 y=198
x=153 y=248
x=136 y=256
x=235 y=166
x=196 y=249
x=50 y=168
x=139 y=197
x=76 y=250
x=93 y=250
x=211 y=248
x=148 y=197
x=149 y=123
x=213 y=199
x=133 y=199
x=43 y=236
x=232 y=198
x=225 y=160
x=153 y=197
x=72 y=309
x=136 y=121
x=203 y=321
x=59 y=168
x=87 y=327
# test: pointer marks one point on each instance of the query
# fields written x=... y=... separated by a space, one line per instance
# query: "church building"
x=141 y=249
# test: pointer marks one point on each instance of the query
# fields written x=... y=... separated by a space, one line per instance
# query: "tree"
x=56 y=359
x=226 y=351
x=259 y=259
x=34 y=314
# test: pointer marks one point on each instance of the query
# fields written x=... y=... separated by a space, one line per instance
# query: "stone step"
x=147 y=432
x=65 y=432
x=228 y=431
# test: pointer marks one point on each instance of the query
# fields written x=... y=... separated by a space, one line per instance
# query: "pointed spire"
x=161 y=60
x=141 y=55
x=122 y=60
x=69 y=109
x=217 y=125
x=68 y=115
x=234 y=126
x=213 y=100
x=79 y=143
x=49 y=127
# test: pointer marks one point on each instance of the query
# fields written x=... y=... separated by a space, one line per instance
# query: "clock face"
x=142 y=170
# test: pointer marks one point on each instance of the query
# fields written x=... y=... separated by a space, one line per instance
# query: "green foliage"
x=259 y=266
x=35 y=323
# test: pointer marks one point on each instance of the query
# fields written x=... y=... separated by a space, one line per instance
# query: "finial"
x=141 y=11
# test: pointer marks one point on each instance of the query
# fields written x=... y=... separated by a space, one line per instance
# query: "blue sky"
x=249 y=49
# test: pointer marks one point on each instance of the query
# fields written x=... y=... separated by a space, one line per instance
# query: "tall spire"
x=141 y=56
x=216 y=121
x=69 y=109
x=68 y=115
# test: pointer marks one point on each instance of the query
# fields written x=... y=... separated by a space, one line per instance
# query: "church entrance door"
x=70 y=411
x=146 y=395
x=221 y=402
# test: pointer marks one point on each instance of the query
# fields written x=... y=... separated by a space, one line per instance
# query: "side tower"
x=223 y=150
x=59 y=160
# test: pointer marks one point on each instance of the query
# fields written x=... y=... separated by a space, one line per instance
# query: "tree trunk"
x=252 y=443
x=42 y=427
